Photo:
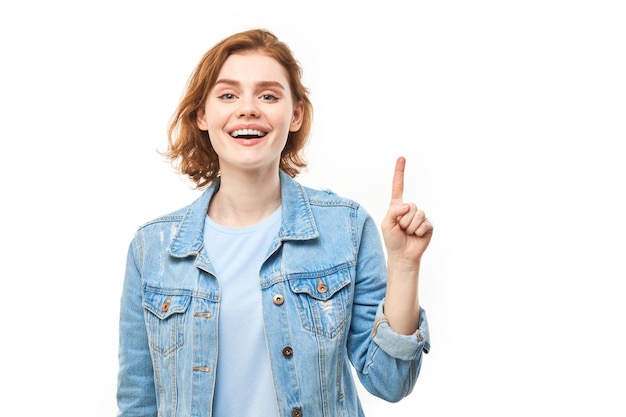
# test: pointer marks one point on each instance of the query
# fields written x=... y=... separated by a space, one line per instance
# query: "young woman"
x=257 y=298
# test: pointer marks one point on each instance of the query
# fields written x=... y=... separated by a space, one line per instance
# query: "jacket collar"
x=297 y=224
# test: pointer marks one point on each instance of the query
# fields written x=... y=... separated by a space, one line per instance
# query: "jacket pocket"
x=323 y=300
x=165 y=319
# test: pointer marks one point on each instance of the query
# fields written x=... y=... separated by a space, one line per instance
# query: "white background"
x=511 y=115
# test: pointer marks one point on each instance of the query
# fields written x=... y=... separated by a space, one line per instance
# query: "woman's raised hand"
x=406 y=229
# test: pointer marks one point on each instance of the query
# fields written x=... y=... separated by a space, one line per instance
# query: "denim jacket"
x=323 y=287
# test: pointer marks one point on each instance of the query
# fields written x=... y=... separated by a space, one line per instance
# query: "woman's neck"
x=244 y=200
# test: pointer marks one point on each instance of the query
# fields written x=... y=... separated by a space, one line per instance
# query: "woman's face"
x=249 y=113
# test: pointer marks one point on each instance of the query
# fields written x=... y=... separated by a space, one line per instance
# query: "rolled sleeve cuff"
x=400 y=346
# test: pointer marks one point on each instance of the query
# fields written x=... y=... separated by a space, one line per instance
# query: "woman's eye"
x=227 y=96
x=269 y=97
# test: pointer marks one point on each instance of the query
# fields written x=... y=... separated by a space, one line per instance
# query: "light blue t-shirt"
x=244 y=385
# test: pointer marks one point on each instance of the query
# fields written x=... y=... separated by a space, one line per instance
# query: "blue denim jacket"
x=323 y=287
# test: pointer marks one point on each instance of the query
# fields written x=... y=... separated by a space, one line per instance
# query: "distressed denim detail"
x=324 y=313
x=327 y=268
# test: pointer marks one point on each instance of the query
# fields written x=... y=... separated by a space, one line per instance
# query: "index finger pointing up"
x=397 y=186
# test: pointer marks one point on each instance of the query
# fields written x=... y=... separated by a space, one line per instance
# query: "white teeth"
x=246 y=132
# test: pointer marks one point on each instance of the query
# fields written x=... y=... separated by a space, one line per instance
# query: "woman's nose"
x=248 y=108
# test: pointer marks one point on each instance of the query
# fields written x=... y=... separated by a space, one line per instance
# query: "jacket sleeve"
x=387 y=363
x=136 y=394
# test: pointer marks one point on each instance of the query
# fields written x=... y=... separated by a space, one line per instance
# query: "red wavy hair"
x=190 y=149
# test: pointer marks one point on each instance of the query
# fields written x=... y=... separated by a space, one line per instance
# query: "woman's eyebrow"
x=271 y=84
x=262 y=84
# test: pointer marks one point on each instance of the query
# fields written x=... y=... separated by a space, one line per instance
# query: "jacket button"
x=279 y=299
x=321 y=287
x=296 y=412
x=166 y=305
x=287 y=352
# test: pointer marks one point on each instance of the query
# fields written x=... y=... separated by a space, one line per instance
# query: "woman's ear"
x=201 y=119
x=296 y=120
